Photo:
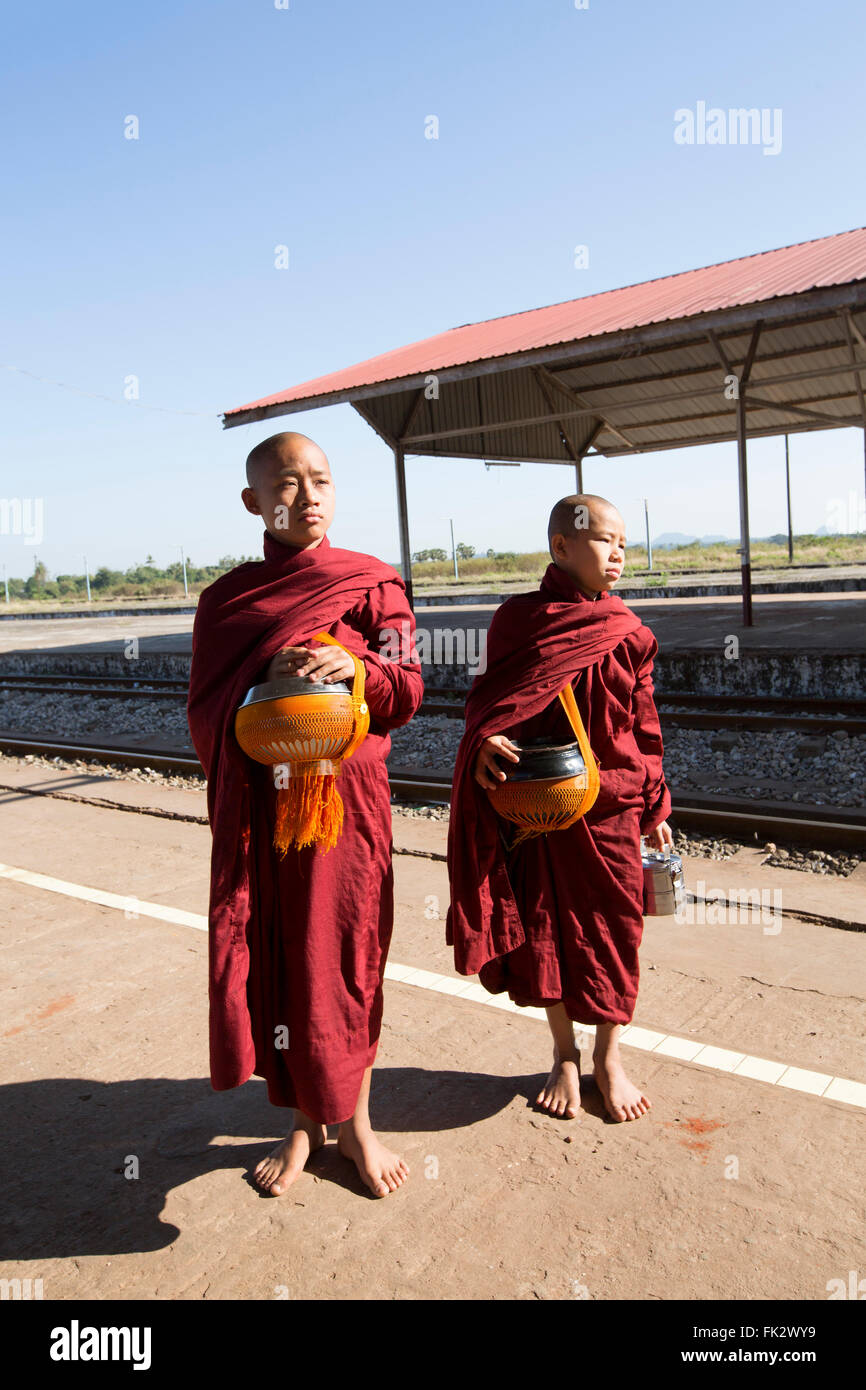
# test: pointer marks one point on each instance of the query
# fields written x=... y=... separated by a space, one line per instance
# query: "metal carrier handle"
x=360 y=709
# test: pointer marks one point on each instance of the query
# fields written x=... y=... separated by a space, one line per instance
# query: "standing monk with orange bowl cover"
x=298 y=943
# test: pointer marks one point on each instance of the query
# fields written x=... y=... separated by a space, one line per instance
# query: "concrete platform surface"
x=806 y=622
x=731 y=1187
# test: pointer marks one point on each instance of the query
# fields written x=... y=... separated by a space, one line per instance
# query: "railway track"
x=816 y=826
x=778 y=713
x=453 y=696
x=115 y=687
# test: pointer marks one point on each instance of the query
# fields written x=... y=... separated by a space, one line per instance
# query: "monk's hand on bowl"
x=487 y=771
x=286 y=662
x=326 y=664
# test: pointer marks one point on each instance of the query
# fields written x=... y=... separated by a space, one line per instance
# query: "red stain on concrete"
x=694 y=1127
x=56 y=1006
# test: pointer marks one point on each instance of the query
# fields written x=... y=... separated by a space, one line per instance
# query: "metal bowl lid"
x=543 y=761
x=287 y=686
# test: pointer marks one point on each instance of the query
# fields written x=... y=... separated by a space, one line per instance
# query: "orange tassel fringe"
x=309 y=812
x=528 y=833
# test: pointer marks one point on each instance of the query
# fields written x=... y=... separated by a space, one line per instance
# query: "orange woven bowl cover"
x=565 y=785
x=302 y=728
x=540 y=806
x=305 y=730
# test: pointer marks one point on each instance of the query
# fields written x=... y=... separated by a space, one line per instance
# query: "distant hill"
x=672 y=538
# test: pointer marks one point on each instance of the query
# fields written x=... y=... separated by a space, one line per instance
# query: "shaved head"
x=586 y=537
x=574 y=513
x=275 y=452
x=289 y=485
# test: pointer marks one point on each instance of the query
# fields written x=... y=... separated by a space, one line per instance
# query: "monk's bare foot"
x=286 y=1161
x=624 y=1100
x=382 y=1170
x=560 y=1095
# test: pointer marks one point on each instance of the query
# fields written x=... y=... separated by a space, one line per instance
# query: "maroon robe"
x=298 y=944
x=559 y=917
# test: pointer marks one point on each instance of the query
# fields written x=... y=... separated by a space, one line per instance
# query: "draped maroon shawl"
x=242 y=621
x=537 y=643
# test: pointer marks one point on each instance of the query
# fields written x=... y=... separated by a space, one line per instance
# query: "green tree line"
x=144 y=580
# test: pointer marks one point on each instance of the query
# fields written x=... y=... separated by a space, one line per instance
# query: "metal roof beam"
x=755 y=405
x=851 y=329
x=497 y=457
x=413 y=411
x=374 y=424
x=651 y=445
x=697 y=341
x=572 y=396
x=720 y=353
x=563 y=434
x=754 y=401
x=574 y=449
x=527 y=422
x=755 y=432
x=682 y=373
x=848 y=317
x=694 y=417
x=750 y=353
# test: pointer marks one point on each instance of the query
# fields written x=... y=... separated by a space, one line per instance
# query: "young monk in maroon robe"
x=300 y=943
x=557 y=919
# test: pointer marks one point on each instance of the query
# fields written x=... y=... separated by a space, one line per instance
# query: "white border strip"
x=133 y=907
x=687 y=1050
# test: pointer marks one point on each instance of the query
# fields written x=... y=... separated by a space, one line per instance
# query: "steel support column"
x=852 y=332
x=745 y=552
x=403 y=523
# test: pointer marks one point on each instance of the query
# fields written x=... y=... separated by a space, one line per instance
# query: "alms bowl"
x=546 y=790
x=292 y=720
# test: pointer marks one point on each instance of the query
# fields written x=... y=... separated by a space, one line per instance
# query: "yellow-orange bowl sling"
x=305 y=730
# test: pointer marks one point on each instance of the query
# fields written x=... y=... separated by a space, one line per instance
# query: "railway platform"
x=128 y=1177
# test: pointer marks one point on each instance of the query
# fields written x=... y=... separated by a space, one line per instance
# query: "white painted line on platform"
x=719 y=1058
x=813 y=1082
x=425 y=979
x=396 y=972
x=122 y=901
x=685 y=1049
x=445 y=984
x=853 y=1092
x=759 y=1069
x=646 y=1039
x=465 y=987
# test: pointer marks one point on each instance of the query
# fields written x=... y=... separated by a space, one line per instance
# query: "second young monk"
x=556 y=920
x=298 y=943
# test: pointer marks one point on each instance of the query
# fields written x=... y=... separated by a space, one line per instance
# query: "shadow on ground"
x=69 y=1143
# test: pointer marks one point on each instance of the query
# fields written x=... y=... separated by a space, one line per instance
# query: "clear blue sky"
x=259 y=126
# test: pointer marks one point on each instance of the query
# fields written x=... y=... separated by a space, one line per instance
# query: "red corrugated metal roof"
x=831 y=260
